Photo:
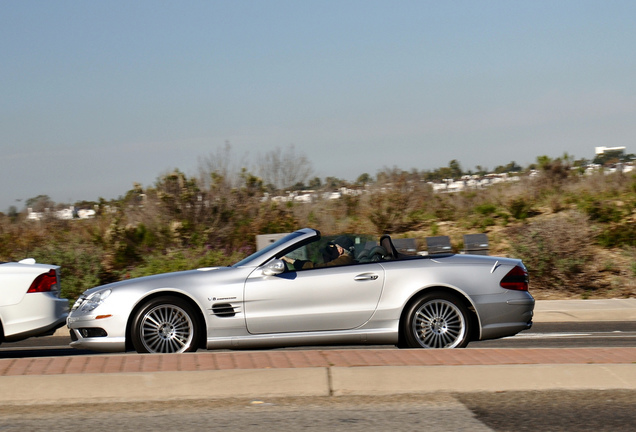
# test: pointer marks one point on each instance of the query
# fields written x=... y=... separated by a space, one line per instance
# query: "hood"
x=163 y=280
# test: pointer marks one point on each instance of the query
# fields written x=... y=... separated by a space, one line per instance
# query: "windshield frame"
x=260 y=257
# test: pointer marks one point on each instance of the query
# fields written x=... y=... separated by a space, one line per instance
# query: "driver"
x=338 y=252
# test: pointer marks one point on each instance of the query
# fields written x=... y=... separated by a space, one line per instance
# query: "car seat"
x=387 y=244
x=375 y=254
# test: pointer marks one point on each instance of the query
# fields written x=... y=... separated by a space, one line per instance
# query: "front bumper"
x=97 y=332
x=101 y=344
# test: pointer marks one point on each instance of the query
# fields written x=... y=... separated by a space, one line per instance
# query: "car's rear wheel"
x=437 y=320
x=165 y=325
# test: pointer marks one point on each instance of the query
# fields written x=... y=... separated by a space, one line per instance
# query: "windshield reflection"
x=268 y=249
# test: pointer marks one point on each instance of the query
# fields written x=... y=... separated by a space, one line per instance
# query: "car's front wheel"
x=436 y=320
x=165 y=325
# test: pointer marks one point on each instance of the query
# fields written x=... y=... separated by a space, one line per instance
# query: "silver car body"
x=25 y=314
x=256 y=304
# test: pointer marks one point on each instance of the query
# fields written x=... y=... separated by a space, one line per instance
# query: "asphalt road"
x=475 y=412
x=569 y=335
x=542 y=335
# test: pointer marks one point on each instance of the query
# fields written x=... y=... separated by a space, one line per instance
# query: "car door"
x=321 y=299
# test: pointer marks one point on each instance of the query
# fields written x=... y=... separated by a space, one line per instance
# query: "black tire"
x=437 y=320
x=165 y=325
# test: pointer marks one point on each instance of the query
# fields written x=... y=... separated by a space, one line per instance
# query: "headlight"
x=92 y=301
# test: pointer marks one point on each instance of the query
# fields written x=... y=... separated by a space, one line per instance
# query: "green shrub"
x=617 y=235
x=81 y=265
x=519 y=208
x=487 y=222
x=601 y=211
x=486 y=209
x=444 y=209
x=556 y=251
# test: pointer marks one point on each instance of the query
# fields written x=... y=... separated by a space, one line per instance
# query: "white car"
x=30 y=303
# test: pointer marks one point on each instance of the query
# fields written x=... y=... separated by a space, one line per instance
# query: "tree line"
x=555 y=221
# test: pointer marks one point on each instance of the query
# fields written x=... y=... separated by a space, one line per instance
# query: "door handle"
x=366 y=277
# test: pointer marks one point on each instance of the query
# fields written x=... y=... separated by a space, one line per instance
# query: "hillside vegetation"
x=576 y=233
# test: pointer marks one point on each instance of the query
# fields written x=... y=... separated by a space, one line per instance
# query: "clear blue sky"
x=95 y=96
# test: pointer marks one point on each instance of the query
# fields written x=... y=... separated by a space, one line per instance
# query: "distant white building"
x=64 y=214
x=86 y=213
x=35 y=216
x=602 y=150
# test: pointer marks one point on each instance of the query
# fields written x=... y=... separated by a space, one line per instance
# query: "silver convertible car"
x=306 y=289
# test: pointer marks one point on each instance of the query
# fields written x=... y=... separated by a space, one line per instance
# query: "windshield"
x=266 y=251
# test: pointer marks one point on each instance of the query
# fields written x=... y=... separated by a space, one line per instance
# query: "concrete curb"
x=585 y=310
x=157 y=386
x=465 y=379
x=332 y=381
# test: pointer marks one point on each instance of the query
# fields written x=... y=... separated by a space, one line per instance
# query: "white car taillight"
x=44 y=282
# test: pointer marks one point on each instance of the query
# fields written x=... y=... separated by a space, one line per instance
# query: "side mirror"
x=274 y=268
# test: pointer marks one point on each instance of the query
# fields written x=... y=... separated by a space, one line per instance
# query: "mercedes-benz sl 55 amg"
x=306 y=289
